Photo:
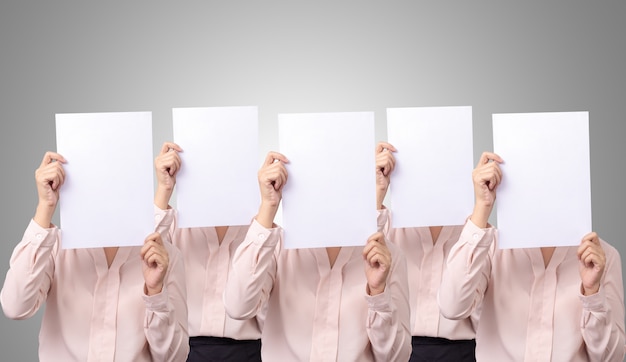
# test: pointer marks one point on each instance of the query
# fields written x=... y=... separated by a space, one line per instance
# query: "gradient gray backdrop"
x=296 y=56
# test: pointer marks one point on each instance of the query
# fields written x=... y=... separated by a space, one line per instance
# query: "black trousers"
x=435 y=349
x=214 y=349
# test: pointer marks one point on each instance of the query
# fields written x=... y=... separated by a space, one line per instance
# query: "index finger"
x=170 y=146
x=381 y=146
x=486 y=156
x=377 y=237
x=273 y=156
x=156 y=237
x=51 y=156
x=593 y=237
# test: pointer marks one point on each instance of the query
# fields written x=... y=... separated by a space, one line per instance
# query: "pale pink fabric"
x=531 y=312
x=93 y=312
x=315 y=312
x=426 y=262
x=207 y=265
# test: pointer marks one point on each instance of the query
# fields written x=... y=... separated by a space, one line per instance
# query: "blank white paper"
x=217 y=183
x=431 y=183
x=545 y=195
x=330 y=196
x=108 y=195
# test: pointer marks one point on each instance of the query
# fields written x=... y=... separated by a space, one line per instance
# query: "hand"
x=167 y=164
x=385 y=163
x=592 y=263
x=377 y=263
x=155 y=262
x=48 y=177
x=272 y=178
x=486 y=177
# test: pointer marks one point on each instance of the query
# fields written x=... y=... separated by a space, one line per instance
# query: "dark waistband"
x=221 y=340
x=439 y=340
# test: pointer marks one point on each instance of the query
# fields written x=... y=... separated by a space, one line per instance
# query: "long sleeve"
x=31 y=271
x=390 y=311
x=165 y=223
x=165 y=323
x=253 y=272
x=602 y=320
x=465 y=280
x=383 y=221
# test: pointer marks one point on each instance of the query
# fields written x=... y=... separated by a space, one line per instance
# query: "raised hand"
x=155 y=263
x=377 y=263
x=486 y=177
x=49 y=177
x=592 y=263
x=166 y=164
x=385 y=163
x=272 y=177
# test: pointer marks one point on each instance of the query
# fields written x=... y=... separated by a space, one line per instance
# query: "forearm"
x=162 y=197
x=390 y=311
x=30 y=272
x=252 y=274
x=164 y=328
x=166 y=315
x=602 y=320
x=165 y=220
x=467 y=272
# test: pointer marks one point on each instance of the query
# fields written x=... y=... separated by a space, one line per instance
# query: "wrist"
x=372 y=291
x=589 y=291
x=43 y=215
x=266 y=215
x=480 y=216
x=149 y=291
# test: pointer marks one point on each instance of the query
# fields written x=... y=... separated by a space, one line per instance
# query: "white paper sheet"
x=217 y=183
x=108 y=195
x=432 y=180
x=330 y=195
x=545 y=195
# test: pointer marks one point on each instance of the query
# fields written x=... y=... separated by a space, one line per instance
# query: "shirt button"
x=475 y=237
x=262 y=237
x=39 y=236
x=158 y=217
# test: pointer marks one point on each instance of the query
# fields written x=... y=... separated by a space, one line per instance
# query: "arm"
x=253 y=272
x=166 y=165
x=165 y=297
x=31 y=271
x=602 y=298
x=254 y=262
x=465 y=279
x=32 y=264
x=388 y=301
x=385 y=163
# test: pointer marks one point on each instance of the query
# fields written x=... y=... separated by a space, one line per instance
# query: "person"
x=538 y=304
x=102 y=304
x=434 y=338
x=207 y=252
x=330 y=304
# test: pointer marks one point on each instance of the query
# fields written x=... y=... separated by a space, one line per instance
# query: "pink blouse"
x=426 y=262
x=315 y=312
x=207 y=265
x=531 y=312
x=94 y=312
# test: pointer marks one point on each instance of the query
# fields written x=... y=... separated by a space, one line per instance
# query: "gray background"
x=291 y=56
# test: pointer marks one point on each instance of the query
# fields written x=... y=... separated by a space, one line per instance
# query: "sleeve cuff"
x=380 y=302
x=473 y=235
x=259 y=235
x=39 y=236
x=595 y=302
x=157 y=302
